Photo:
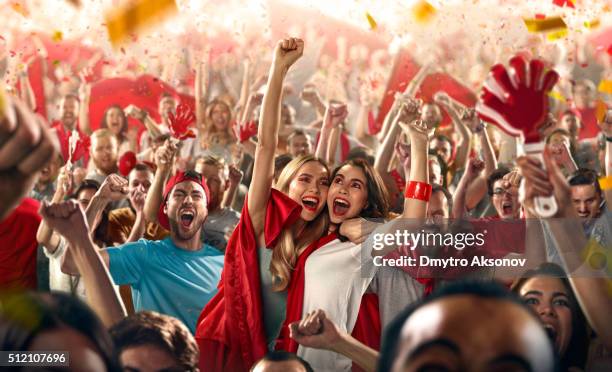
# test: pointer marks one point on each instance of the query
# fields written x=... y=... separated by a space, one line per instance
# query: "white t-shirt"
x=58 y=281
x=337 y=276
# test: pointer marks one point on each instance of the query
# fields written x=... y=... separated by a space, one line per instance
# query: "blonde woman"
x=239 y=325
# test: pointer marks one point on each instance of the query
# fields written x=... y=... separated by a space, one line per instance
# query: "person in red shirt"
x=585 y=102
x=26 y=145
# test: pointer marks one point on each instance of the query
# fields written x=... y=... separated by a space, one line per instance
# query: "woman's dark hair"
x=124 y=119
x=578 y=347
x=24 y=316
x=283 y=356
x=162 y=331
x=378 y=197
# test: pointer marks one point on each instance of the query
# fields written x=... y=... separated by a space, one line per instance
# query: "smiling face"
x=115 y=120
x=186 y=209
x=300 y=145
x=69 y=107
x=469 y=333
x=220 y=116
x=430 y=113
x=310 y=188
x=139 y=183
x=505 y=200
x=442 y=147
x=549 y=298
x=104 y=153
x=348 y=194
x=216 y=182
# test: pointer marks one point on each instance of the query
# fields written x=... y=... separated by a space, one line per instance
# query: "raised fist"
x=516 y=99
x=67 y=218
x=114 y=188
x=287 y=52
x=335 y=114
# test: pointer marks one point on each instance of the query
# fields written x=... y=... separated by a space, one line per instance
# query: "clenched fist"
x=287 y=52
x=67 y=218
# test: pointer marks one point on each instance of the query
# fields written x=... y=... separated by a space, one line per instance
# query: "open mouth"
x=341 y=206
x=507 y=208
x=551 y=332
x=310 y=203
x=186 y=218
x=583 y=214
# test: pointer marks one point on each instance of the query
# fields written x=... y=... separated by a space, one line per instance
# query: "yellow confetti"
x=371 y=21
x=600 y=110
x=2 y=102
x=136 y=16
x=591 y=24
x=57 y=36
x=19 y=8
x=540 y=25
x=605 y=183
x=605 y=86
x=556 y=35
x=423 y=11
x=557 y=96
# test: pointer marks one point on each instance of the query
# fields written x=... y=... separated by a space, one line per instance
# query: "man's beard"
x=180 y=235
x=106 y=169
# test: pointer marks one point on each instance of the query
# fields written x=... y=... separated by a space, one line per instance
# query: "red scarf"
x=230 y=331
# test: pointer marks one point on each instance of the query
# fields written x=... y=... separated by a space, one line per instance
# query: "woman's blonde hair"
x=285 y=252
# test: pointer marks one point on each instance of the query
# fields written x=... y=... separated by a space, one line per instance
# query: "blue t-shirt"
x=167 y=279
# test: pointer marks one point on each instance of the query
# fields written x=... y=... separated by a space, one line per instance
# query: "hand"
x=310 y=94
x=138 y=197
x=165 y=154
x=442 y=98
x=521 y=104
x=67 y=218
x=409 y=109
x=418 y=130
x=474 y=167
x=335 y=114
x=512 y=179
x=472 y=121
x=606 y=124
x=317 y=331
x=287 y=52
x=357 y=230
x=114 y=188
x=366 y=96
x=133 y=112
x=26 y=145
x=64 y=181
x=235 y=175
x=256 y=99
x=78 y=175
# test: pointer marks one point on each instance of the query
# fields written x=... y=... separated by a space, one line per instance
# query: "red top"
x=18 y=247
x=230 y=331
x=589 y=128
x=64 y=138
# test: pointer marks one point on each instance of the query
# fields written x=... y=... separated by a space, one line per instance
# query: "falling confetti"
x=371 y=21
x=605 y=86
x=57 y=36
x=20 y=8
x=1 y=103
x=562 y=3
x=541 y=25
x=136 y=16
x=423 y=11
x=591 y=24
x=556 y=35
x=557 y=96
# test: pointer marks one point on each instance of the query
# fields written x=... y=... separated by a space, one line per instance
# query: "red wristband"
x=418 y=190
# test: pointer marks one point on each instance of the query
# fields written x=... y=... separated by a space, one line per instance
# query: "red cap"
x=179 y=177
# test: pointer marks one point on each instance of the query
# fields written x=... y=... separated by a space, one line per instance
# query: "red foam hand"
x=516 y=99
x=246 y=130
x=127 y=162
x=81 y=148
x=180 y=122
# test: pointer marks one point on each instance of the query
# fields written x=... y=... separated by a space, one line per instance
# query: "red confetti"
x=179 y=123
x=610 y=50
x=562 y=3
x=540 y=16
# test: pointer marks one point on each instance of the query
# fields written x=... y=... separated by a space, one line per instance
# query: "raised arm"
x=84 y=97
x=143 y=116
x=472 y=172
x=45 y=235
x=114 y=188
x=311 y=95
x=164 y=158
x=68 y=219
x=201 y=88
x=316 y=331
x=415 y=207
x=27 y=93
x=464 y=144
x=287 y=51
x=478 y=187
x=409 y=92
x=234 y=178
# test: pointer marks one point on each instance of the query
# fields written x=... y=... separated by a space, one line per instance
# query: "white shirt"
x=58 y=281
x=337 y=276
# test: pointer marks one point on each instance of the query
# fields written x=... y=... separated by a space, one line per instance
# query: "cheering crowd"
x=234 y=236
